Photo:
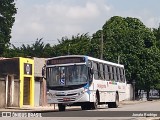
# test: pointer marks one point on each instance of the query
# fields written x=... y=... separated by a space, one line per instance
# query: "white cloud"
x=90 y=11
x=54 y=19
x=153 y=22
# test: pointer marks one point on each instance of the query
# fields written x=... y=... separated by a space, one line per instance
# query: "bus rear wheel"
x=61 y=107
x=114 y=104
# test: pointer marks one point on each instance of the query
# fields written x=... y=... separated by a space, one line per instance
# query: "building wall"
x=3 y=92
x=9 y=88
x=38 y=64
x=41 y=94
x=15 y=75
x=129 y=92
x=16 y=93
x=37 y=94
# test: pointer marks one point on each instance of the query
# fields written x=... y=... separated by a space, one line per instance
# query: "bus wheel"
x=117 y=101
x=86 y=106
x=114 y=104
x=94 y=105
x=61 y=107
x=83 y=107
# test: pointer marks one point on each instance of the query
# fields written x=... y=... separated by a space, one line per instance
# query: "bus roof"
x=89 y=58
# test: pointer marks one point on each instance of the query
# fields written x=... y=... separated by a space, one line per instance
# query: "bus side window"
x=95 y=67
x=101 y=75
x=111 y=73
x=90 y=72
x=124 y=76
x=121 y=75
x=118 y=74
x=115 y=73
x=106 y=72
x=123 y=80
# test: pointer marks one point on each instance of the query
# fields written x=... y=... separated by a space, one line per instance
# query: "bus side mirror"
x=91 y=71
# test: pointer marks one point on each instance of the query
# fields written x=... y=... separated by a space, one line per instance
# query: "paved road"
x=124 y=112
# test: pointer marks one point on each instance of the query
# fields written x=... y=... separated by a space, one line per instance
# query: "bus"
x=79 y=80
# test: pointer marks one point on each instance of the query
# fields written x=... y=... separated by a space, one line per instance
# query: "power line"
x=17 y=42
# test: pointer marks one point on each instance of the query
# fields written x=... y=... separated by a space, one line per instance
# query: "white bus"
x=78 y=80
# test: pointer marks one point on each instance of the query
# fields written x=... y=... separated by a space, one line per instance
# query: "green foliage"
x=135 y=44
x=156 y=33
x=7 y=12
x=38 y=49
x=79 y=44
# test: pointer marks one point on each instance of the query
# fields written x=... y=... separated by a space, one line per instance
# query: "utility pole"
x=118 y=59
x=101 y=54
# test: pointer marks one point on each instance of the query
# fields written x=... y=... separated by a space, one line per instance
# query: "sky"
x=54 y=19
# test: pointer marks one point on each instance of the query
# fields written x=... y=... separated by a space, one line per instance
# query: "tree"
x=37 y=49
x=7 y=12
x=79 y=44
x=135 y=44
x=34 y=50
x=157 y=35
x=156 y=32
x=48 y=51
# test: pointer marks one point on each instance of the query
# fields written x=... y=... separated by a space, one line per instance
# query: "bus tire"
x=94 y=105
x=114 y=104
x=61 y=107
x=86 y=106
x=83 y=107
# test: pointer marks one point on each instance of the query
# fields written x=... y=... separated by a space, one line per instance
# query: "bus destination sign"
x=66 y=60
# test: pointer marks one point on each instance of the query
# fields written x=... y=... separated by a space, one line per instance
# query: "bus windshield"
x=67 y=75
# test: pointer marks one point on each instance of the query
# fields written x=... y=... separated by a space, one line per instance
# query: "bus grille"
x=66 y=94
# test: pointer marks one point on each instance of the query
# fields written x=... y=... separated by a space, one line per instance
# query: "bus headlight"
x=85 y=90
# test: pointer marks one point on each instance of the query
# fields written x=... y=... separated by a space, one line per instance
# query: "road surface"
x=132 y=111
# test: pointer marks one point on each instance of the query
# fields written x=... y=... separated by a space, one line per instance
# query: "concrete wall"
x=16 y=93
x=37 y=94
x=38 y=64
x=129 y=92
x=3 y=92
x=9 y=96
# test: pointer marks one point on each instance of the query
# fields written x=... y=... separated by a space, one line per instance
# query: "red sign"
x=101 y=86
x=66 y=99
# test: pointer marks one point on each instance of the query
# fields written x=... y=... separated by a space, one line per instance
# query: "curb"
x=135 y=102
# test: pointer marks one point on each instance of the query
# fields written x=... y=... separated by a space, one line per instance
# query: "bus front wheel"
x=86 y=106
x=61 y=107
x=94 y=105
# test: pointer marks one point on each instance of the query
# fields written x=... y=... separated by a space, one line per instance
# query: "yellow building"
x=17 y=82
x=26 y=81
